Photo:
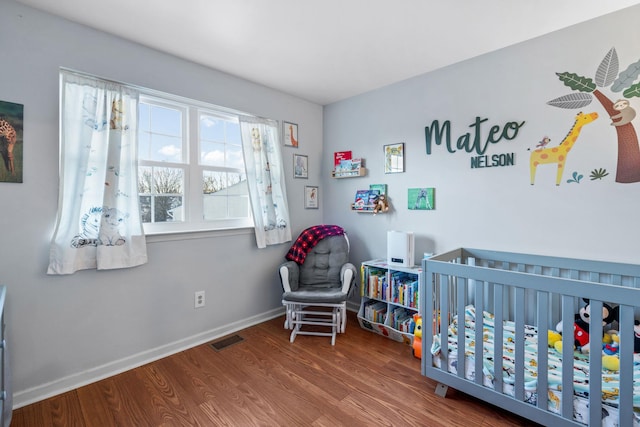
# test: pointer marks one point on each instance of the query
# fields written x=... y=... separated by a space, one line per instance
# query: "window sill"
x=169 y=236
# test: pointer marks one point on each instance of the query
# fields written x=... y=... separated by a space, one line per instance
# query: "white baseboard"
x=71 y=382
x=353 y=306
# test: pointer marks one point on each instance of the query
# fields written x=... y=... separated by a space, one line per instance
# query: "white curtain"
x=98 y=224
x=266 y=180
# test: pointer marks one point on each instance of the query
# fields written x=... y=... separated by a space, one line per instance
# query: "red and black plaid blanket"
x=309 y=238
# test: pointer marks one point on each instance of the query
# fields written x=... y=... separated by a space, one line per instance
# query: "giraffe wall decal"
x=6 y=147
x=558 y=154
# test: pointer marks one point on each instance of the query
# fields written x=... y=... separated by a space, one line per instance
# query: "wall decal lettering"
x=474 y=141
x=470 y=141
x=504 y=159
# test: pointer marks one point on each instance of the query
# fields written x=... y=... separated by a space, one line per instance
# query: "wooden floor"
x=365 y=380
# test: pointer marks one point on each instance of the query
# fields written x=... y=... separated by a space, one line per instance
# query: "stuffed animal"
x=381 y=204
x=417 y=336
x=553 y=337
x=610 y=363
x=581 y=326
x=610 y=343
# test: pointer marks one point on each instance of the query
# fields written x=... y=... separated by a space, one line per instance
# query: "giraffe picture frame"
x=290 y=134
x=11 y=144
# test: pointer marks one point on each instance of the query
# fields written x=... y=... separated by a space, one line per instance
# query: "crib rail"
x=529 y=290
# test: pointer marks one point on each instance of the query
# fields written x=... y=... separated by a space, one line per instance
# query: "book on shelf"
x=375 y=311
x=338 y=156
x=402 y=319
x=344 y=166
x=373 y=198
x=404 y=289
x=361 y=200
x=365 y=199
x=381 y=188
x=377 y=286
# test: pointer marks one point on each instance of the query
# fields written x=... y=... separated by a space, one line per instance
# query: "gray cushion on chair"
x=318 y=279
x=316 y=294
x=322 y=265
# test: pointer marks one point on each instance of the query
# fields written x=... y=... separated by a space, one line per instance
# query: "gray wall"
x=66 y=331
x=494 y=208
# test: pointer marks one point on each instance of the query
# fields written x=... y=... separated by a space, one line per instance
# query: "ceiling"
x=327 y=50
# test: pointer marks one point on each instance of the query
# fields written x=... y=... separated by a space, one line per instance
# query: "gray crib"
x=518 y=295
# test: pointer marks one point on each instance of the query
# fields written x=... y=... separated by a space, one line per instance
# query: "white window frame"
x=193 y=196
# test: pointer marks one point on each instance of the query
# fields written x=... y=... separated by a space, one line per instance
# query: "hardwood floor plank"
x=364 y=380
x=96 y=402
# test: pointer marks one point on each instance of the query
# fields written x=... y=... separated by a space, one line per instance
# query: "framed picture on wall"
x=422 y=199
x=11 y=144
x=300 y=166
x=394 y=158
x=310 y=197
x=290 y=134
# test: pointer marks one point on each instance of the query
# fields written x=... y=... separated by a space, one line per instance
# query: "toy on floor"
x=417 y=336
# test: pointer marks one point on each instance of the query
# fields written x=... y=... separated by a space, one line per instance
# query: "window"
x=191 y=172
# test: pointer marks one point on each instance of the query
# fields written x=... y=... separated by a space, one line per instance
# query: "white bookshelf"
x=390 y=297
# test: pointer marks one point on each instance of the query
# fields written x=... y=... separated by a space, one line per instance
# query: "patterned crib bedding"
x=610 y=379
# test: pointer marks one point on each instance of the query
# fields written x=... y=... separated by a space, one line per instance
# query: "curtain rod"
x=154 y=92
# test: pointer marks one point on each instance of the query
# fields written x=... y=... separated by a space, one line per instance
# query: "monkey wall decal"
x=625 y=115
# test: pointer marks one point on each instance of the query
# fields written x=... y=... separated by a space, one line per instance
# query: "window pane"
x=220 y=142
x=234 y=157
x=212 y=128
x=225 y=195
x=215 y=207
x=160 y=133
x=161 y=193
x=213 y=182
x=221 y=207
x=165 y=149
x=145 y=208
x=168 y=181
x=233 y=133
x=239 y=207
x=211 y=153
x=168 y=209
x=144 y=145
x=145 y=179
x=167 y=121
x=143 y=112
x=237 y=184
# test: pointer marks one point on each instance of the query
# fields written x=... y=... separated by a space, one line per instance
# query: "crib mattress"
x=610 y=379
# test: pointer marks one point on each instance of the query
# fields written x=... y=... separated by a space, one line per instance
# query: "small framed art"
x=394 y=158
x=422 y=199
x=290 y=134
x=11 y=143
x=310 y=197
x=300 y=166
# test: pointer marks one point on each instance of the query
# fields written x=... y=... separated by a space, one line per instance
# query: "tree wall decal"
x=620 y=112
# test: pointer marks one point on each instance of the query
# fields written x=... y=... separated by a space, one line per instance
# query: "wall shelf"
x=366 y=209
x=349 y=174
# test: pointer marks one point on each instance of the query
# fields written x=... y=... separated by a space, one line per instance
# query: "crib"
x=513 y=297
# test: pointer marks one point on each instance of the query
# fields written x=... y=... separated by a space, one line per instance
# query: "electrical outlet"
x=198 y=299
